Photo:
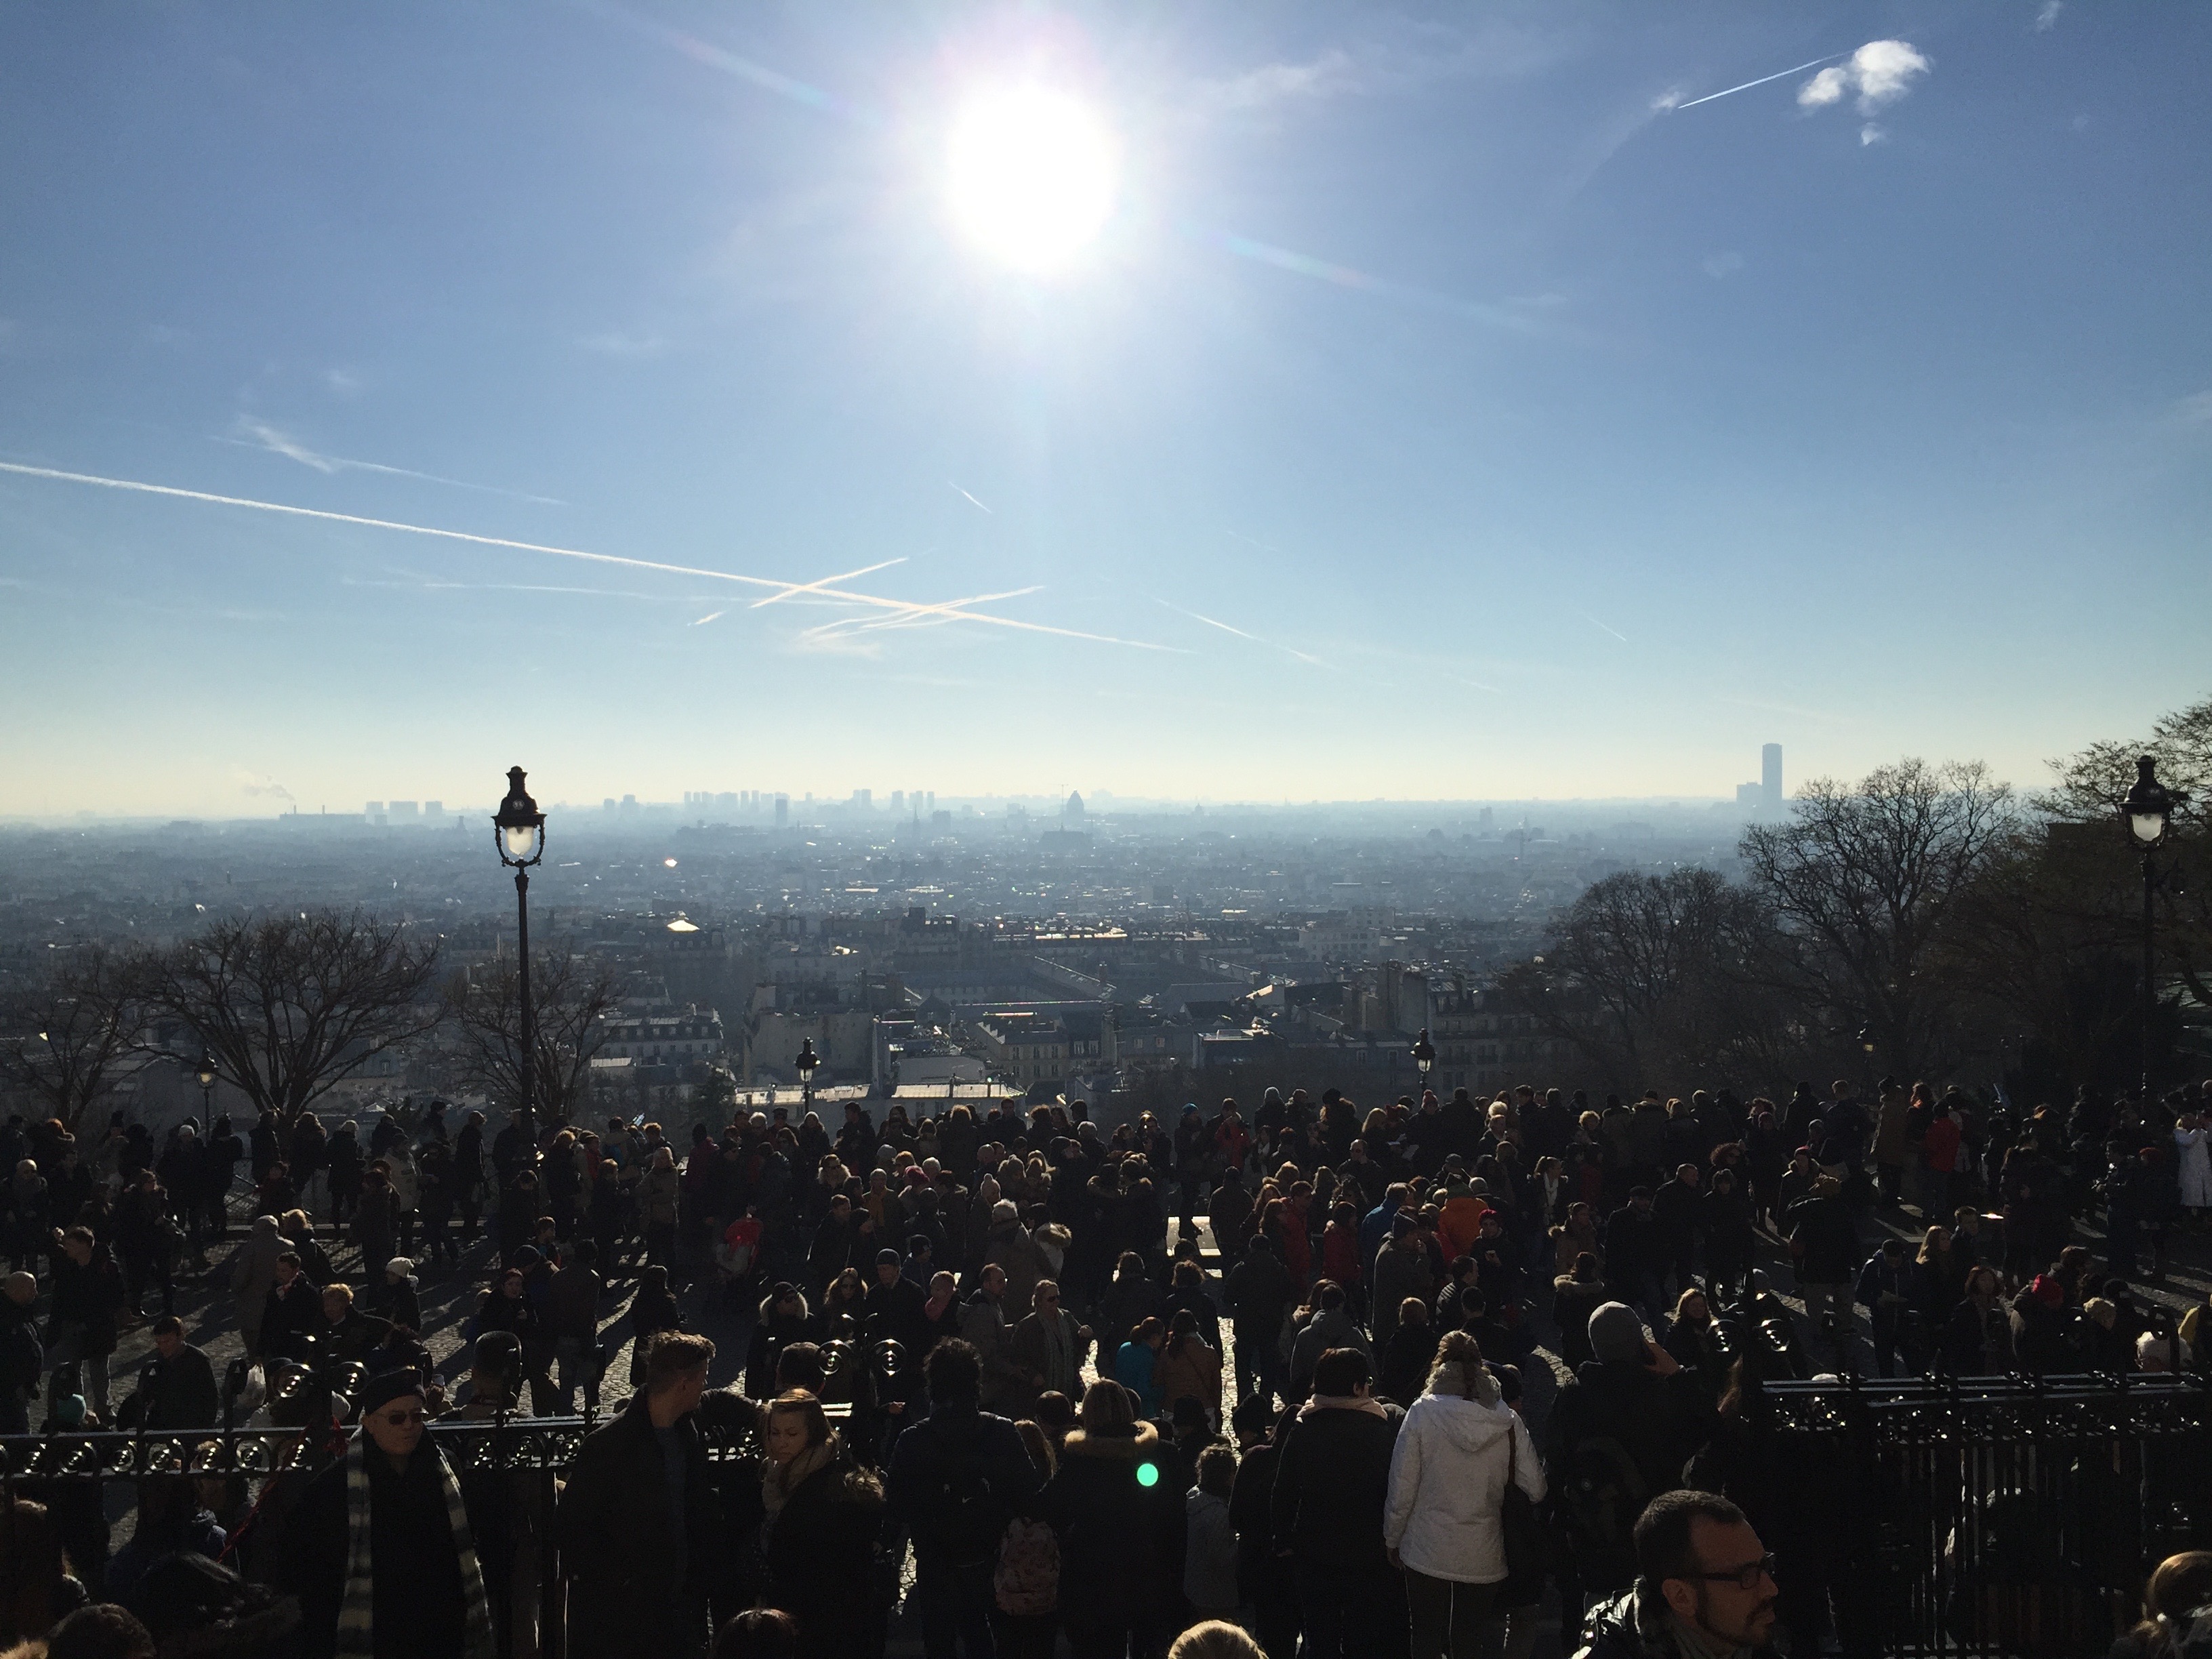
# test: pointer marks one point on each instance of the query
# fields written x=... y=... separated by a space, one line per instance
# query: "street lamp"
x=207 y=1094
x=518 y=832
x=1424 y=1056
x=804 y=1065
x=2148 y=812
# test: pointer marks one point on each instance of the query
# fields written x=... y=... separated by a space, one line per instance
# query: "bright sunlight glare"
x=1032 y=176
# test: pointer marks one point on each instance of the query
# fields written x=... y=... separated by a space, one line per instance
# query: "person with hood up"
x=1331 y=1327
x=1009 y=1248
x=1617 y=1436
x=1460 y=1448
x=253 y=1275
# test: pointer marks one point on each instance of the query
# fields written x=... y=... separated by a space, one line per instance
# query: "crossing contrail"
x=1271 y=644
x=782 y=588
x=1778 y=76
x=816 y=588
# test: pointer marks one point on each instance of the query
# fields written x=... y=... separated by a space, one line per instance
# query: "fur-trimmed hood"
x=1138 y=1441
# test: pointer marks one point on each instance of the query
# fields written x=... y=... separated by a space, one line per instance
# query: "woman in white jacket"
x=1442 y=1520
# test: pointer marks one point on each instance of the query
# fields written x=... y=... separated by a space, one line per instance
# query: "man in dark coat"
x=1332 y=1478
x=22 y=1358
x=1619 y=1434
x=425 y=1595
x=956 y=1478
x=639 y=1526
x=176 y=1388
x=1704 y=1586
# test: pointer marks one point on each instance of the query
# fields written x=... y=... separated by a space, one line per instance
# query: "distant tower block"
x=1071 y=814
x=1770 y=777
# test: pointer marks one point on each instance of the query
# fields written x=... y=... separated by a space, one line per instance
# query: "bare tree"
x=2045 y=937
x=570 y=995
x=74 y=1038
x=1866 y=877
x=2092 y=783
x=290 y=1005
x=1658 y=976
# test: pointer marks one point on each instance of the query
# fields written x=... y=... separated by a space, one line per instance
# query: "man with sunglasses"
x=379 y=1550
x=1705 y=1587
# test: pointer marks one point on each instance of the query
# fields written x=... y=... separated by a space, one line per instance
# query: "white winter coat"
x=1448 y=1486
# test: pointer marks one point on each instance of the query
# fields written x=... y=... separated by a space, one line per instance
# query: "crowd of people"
x=1432 y=1374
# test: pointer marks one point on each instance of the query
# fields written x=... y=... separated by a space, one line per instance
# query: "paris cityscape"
x=1000 y=831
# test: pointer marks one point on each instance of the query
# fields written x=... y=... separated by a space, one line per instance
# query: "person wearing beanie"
x=379 y=1550
x=1631 y=1398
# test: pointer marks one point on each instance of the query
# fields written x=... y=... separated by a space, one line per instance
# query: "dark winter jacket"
x=617 y=1538
x=1120 y=1541
x=421 y=1608
x=957 y=1477
x=1332 y=1478
x=821 y=1558
x=1629 y=1627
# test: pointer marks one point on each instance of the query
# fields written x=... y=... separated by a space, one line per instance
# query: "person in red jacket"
x=1340 y=1257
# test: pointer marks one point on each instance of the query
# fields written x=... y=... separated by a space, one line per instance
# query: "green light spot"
x=1148 y=1474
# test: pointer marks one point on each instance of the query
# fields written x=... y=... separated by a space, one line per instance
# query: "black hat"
x=392 y=1385
x=499 y=1351
x=885 y=1254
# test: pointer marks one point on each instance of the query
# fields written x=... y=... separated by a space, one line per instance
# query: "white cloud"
x=343 y=381
x=1880 y=72
x=1873 y=133
x=616 y=344
x=2047 y=14
x=1327 y=76
x=1717 y=265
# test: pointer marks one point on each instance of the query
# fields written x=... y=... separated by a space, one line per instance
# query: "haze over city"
x=1556 y=402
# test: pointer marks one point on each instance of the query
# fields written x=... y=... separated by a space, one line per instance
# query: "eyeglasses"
x=406 y=1420
x=1744 y=1577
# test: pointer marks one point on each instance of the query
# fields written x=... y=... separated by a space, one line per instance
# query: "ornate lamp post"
x=1424 y=1057
x=804 y=1065
x=2147 y=812
x=207 y=1094
x=518 y=832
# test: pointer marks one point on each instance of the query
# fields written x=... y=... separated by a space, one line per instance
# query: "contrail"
x=875 y=601
x=710 y=616
x=274 y=441
x=818 y=587
x=921 y=615
x=1594 y=622
x=714 y=57
x=971 y=498
x=1763 y=80
x=1241 y=633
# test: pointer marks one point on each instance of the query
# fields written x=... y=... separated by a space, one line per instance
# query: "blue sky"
x=1534 y=431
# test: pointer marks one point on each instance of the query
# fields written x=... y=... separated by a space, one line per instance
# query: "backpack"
x=1026 y=1581
x=1602 y=1495
x=964 y=1518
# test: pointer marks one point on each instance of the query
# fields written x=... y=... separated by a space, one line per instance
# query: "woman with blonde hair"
x=823 y=1515
x=1443 y=1523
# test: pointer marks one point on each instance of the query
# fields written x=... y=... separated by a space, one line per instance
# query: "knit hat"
x=1616 y=1334
x=887 y=1257
x=2048 y=1291
x=398 y=1267
x=381 y=1391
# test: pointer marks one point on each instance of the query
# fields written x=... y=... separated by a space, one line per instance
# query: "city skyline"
x=1557 y=402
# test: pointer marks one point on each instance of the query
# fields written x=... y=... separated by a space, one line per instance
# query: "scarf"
x=356 y=1635
x=1694 y=1644
x=784 y=1478
x=1344 y=1402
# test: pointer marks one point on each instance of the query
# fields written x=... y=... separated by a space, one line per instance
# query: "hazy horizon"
x=1555 y=402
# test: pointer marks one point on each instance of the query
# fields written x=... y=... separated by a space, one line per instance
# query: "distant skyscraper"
x=782 y=810
x=1770 y=777
x=1073 y=813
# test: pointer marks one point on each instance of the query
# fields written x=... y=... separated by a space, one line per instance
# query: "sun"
x=1031 y=177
